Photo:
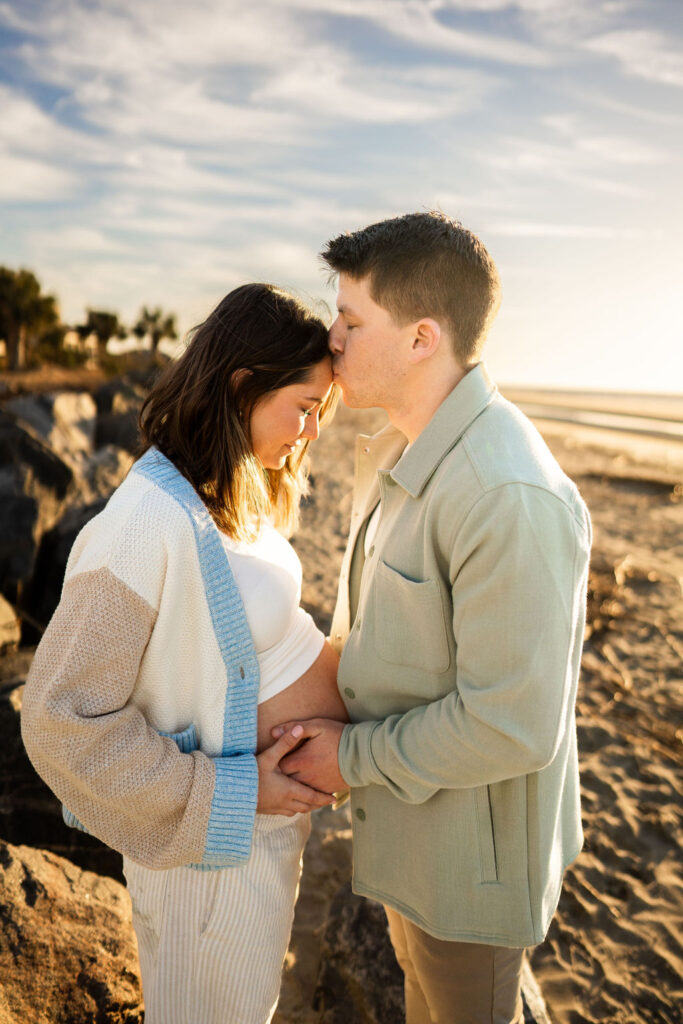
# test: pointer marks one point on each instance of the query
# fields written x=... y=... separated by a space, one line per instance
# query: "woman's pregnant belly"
x=312 y=695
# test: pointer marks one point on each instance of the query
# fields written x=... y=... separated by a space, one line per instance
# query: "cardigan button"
x=366 y=450
x=371 y=551
x=349 y=692
x=338 y=636
x=360 y=814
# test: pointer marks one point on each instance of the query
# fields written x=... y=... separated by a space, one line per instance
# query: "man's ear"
x=426 y=339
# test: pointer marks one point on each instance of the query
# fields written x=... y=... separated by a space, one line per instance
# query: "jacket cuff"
x=356 y=763
x=233 y=808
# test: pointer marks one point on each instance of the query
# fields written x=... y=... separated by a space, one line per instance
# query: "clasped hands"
x=300 y=771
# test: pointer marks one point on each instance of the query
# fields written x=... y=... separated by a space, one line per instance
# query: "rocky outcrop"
x=65 y=420
x=43 y=593
x=34 y=483
x=10 y=627
x=54 y=474
x=118 y=408
x=67 y=947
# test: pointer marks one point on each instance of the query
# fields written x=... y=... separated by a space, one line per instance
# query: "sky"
x=161 y=152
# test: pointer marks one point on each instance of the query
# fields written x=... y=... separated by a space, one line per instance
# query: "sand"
x=614 y=951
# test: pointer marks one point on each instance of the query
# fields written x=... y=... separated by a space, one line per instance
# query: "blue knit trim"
x=186 y=740
x=72 y=821
x=233 y=807
x=228 y=617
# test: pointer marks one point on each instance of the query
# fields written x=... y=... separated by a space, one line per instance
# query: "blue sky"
x=159 y=152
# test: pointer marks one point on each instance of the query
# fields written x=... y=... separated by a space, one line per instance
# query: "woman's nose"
x=311 y=427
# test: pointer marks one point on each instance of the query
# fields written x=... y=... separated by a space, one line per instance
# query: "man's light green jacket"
x=459 y=671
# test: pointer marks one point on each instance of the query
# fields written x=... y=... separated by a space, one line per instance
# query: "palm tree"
x=103 y=325
x=25 y=314
x=156 y=325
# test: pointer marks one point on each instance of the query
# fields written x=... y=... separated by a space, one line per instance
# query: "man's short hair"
x=425 y=265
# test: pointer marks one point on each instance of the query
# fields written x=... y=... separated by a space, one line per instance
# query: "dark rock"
x=118 y=407
x=18 y=529
x=67 y=947
x=119 y=429
x=65 y=420
x=118 y=395
x=10 y=627
x=29 y=812
x=102 y=472
x=42 y=595
x=34 y=484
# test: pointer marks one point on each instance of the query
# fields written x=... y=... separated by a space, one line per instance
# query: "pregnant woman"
x=178 y=643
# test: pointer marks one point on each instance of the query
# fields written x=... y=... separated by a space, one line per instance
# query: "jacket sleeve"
x=518 y=570
x=127 y=784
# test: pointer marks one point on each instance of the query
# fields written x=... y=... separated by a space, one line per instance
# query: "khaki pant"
x=456 y=982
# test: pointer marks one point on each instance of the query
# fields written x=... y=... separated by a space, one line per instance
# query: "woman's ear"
x=238 y=376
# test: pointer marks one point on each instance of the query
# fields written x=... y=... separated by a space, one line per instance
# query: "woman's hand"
x=278 y=794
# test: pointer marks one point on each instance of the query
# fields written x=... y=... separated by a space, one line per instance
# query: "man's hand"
x=278 y=794
x=315 y=762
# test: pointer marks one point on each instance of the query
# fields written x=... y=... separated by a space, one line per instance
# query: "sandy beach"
x=614 y=952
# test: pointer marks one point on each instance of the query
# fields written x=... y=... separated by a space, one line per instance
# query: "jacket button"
x=349 y=692
x=360 y=814
x=242 y=671
x=338 y=636
x=371 y=551
x=357 y=623
x=366 y=451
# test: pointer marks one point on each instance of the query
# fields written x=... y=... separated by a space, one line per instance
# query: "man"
x=460 y=615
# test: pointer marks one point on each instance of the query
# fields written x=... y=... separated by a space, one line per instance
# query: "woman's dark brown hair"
x=198 y=412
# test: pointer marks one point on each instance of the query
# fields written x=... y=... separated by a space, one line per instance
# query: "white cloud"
x=24 y=179
x=75 y=241
x=595 y=163
x=416 y=21
x=642 y=52
x=540 y=229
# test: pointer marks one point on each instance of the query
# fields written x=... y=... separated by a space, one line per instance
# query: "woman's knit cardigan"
x=140 y=707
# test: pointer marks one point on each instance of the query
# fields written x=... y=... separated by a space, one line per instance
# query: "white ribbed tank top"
x=267 y=572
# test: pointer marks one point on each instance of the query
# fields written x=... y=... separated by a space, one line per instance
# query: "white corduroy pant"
x=212 y=943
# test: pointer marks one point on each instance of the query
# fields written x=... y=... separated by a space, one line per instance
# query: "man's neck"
x=416 y=407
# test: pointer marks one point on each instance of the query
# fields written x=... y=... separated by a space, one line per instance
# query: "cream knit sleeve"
x=128 y=785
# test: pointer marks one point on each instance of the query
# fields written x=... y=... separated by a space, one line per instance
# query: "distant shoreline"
x=634 y=403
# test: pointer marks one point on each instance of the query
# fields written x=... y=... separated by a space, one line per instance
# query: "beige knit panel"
x=129 y=786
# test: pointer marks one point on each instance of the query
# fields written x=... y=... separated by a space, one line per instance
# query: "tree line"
x=31 y=327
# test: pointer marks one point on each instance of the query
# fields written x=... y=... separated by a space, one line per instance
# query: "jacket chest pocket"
x=410 y=626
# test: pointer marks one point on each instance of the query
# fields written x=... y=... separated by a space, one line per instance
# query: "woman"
x=179 y=643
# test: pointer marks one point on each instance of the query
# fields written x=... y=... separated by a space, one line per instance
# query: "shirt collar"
x=459 y=409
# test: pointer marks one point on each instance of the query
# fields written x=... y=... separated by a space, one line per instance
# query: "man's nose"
x=336 y=338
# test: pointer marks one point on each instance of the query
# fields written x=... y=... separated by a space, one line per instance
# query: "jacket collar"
x=456 y=413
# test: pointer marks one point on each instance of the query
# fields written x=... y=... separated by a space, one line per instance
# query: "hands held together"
x=300 y=772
